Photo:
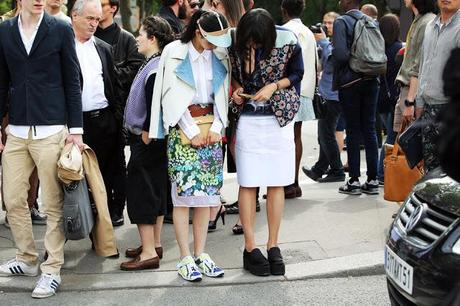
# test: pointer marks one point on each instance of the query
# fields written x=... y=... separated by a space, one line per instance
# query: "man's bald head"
x=370 y=10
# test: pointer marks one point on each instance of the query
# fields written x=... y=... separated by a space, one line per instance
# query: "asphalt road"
x=368 y=290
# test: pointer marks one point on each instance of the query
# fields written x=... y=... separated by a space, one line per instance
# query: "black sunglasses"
x=194 y=5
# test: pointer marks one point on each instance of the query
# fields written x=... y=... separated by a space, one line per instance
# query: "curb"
x=353 y=265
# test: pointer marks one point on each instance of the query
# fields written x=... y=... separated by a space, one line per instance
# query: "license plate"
x=399 y=270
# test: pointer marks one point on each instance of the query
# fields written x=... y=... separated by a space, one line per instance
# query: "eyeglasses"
x=194 y=5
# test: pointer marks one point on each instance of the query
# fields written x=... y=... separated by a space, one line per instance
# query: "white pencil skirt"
x=265 y=152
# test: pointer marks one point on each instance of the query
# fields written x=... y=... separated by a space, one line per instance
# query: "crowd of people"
x=204 y=81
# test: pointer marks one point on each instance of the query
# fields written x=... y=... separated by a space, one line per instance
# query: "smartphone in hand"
x=246 y=96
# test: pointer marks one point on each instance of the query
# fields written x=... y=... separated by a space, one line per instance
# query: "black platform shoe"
x=256 y=263
x=276 y=261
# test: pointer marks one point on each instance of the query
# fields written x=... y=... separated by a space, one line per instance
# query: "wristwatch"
x=409 y=103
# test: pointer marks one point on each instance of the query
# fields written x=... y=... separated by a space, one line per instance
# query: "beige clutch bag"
x=203 y=122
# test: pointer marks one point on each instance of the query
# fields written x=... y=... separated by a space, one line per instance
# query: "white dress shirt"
x=92 y=96
x=203 y=75
x=40 y=131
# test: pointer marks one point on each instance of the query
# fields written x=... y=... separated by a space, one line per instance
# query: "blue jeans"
x=360 y=105
x=387 y=120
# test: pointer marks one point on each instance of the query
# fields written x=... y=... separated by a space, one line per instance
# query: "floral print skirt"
x=196 y=175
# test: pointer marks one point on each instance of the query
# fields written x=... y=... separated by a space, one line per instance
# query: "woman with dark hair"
x=190 y=101
x=389 y=91
x=267 y=68
x=147 y=167
x=231 y=9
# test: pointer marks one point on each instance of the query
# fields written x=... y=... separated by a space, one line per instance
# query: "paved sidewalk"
x=323 y=233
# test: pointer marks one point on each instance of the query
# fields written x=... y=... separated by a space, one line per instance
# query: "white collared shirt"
x=202 y=74
x=92 y=96
x=41 y=131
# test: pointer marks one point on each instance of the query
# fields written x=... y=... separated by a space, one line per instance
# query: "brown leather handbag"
x=399 y=177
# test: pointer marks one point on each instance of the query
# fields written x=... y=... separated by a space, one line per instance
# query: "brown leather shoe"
x=138 y=264
x=292 y=191
x=134 y=252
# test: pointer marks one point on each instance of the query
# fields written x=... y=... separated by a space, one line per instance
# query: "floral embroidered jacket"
x=284 y=61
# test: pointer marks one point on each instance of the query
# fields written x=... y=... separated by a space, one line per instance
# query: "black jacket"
x=44 y=86
x=167 y=13
x=125 y=56
x=108 y=73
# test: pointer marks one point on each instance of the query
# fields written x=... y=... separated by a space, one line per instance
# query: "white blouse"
x=202 y=74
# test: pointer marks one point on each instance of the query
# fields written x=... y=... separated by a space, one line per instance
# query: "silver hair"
x=80 y=4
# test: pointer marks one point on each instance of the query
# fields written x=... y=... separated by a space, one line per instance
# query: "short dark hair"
x=168 y=2
x=209 y=22
x=425 y=6
x=390 y=28
x=294 y=8
x=115 y=3
x=155 y=26
x=256 y=26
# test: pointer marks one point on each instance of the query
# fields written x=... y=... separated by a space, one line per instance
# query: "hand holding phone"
x=246 y=96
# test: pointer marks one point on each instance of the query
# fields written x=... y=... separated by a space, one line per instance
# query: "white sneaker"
x=46 y=286
x=188 y=270
x=208 y=267
x=15 y=267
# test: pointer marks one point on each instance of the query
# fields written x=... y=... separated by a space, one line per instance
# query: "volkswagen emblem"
x=415 y=217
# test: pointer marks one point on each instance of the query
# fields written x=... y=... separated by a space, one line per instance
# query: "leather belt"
x=95 y=113
x=197 y=110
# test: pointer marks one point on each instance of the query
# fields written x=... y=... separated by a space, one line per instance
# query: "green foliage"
x=314 y=10
x=5 y=6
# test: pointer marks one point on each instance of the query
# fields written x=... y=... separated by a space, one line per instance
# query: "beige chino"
x=19 y=159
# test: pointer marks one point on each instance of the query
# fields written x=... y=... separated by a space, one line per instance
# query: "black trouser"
x=100 y=133
x=117 y=192
x=359 y=104
x=329 y=155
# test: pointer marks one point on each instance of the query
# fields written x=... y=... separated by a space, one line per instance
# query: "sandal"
x=238 y=229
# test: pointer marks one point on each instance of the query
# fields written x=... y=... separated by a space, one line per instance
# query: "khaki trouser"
x=19 y=159
x=400 y=108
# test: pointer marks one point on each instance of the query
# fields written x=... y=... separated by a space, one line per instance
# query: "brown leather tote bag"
x=399 y=177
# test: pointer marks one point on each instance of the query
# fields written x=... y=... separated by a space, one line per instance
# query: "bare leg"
x=247 y=207
x=275 y=208
x=146 y=231
x=200 y=229
x=157 y=231
x=298 y=148
x=214 y=211
x=180 y=218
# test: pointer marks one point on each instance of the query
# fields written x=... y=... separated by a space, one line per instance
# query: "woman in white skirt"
x=267 y=68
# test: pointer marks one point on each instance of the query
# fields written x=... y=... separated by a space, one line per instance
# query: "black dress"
x=147 y=173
